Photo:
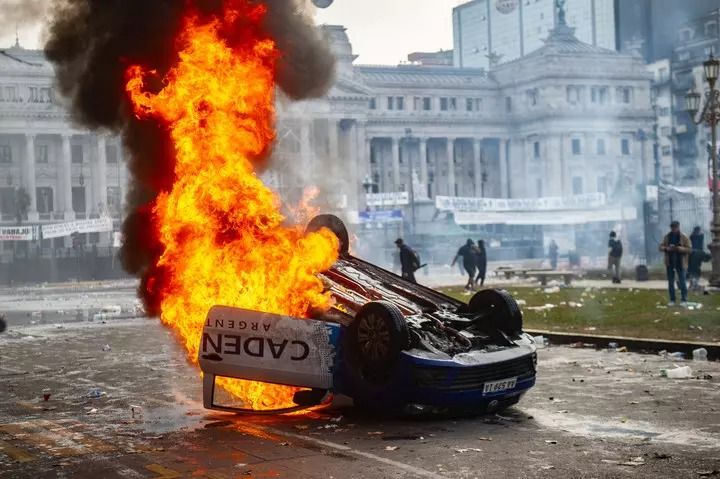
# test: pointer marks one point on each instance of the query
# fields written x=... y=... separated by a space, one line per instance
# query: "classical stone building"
x=562 y=121
x=63 y=173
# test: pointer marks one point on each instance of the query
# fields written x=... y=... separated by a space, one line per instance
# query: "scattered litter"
x=550 y=441
x=92 y=411
x=46 y=394
x=300 y=427
x=336 y=419
x=714 y=472
x=553 y=290
x=591 y=328
x=613 y=346
x=107 y=348
x=392 y=448
x=633 y=402
x=679 y=372
x=285 y=444
x=468 y=449
x=661 y=455
x=622 y=349
x=546 y=468
x=375 y=433
x=484 y=439
x=677 y=356
x=540 y=341
x=136 y=410
x=700 y=354
x=635 y=461
x=95 y=393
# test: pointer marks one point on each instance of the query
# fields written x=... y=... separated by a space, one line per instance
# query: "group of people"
x=683 y=260
x=474 y=261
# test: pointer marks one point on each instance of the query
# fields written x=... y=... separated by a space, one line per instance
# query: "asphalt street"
x=123 y=402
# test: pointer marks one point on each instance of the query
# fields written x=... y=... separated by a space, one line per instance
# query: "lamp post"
x=710 y=115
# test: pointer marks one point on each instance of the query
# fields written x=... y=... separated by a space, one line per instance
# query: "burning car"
x=387 y=343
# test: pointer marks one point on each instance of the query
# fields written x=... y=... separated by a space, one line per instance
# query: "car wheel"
x=334 y=224
x=376 y=337
x=498 y=309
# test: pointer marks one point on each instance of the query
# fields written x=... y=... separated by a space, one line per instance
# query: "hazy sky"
x=381 y=31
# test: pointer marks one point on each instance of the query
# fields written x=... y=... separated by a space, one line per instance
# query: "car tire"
x=334 y=224
x=375 y=339
x=499 y=310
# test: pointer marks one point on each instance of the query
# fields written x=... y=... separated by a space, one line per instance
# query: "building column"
x=333 y=141
x=423 y=156
x=477 y=167
x=352 y=150
x=29 y=173
x=502 y=154
x=100 y=184
x=305 y=148
x=66 y=177
x=450 y=145
x=395 y=164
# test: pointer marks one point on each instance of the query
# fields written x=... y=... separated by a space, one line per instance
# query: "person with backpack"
x=468 y=253
x=615 y=252
x=409 y=261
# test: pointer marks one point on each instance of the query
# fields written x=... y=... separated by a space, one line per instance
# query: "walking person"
x=468 y=255
x=553 y=254
x=409 y=261
x=677 y=248
x=480 y=262
x=697 y=242
x=615 y=252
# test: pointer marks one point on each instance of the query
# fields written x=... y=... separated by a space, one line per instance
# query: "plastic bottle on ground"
x=682 y=372
x=700 y=354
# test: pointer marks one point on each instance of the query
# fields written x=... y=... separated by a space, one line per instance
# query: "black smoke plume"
x=92 y=42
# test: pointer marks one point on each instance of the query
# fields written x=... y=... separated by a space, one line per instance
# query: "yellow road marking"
x=17 y=454
x=162 y=471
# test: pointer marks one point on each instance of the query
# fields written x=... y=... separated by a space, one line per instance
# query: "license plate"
x=497 y=386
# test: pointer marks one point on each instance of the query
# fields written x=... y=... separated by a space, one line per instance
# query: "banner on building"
x=396 y=198
x=18 y=233
x=383 y=216
x=549 y=203
x=95 y=225
x=538 y=218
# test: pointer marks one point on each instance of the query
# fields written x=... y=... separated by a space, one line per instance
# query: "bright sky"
x=381 y=31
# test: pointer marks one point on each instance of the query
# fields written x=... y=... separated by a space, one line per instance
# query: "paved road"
x=592 y=414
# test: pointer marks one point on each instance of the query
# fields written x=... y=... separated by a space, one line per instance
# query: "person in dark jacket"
x=697 y=241
x=553 y=254
x=481 y=262
x=409 y=262
x=468 y=253
x=677 y=248
x=615 y=252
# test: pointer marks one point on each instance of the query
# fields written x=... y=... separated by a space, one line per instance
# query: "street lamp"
x=710 y=115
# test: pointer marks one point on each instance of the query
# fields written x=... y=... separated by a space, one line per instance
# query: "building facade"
x=50 y=171
x=490 y=32
x=563 y=121
x=695 y=41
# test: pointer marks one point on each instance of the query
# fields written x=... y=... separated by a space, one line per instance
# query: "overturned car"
x=388 y=344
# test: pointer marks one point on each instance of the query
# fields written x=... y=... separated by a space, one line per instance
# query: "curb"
x=638 y=345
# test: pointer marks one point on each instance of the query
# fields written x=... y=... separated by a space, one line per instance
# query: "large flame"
x=225 y=240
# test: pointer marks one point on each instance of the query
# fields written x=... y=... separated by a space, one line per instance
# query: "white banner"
x=388 y=199
x=549 y=203
x=95 y=225
x=18 y=233
x=464 y=218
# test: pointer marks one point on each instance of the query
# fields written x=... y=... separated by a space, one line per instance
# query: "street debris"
x=46 y=394
x=700 y=354
x=550 y=441
x=405 y=437
x=95 y=393
x=714 y=472
x=106 y=348
x=375 y=433
x=634 y=462
x=468 y=449
x=392 y=448
x=136 y=411
x=679 y=372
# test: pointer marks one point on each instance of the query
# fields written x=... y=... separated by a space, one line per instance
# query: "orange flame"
x=225 y=240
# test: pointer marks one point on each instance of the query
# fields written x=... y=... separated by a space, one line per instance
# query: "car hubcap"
x=374 y=337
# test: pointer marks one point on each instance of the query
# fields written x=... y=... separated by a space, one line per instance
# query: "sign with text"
x=383 y=216
x=396 y=198
x=18 y=233
x=526 y=218
x=549 y=203
x=95 y=225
